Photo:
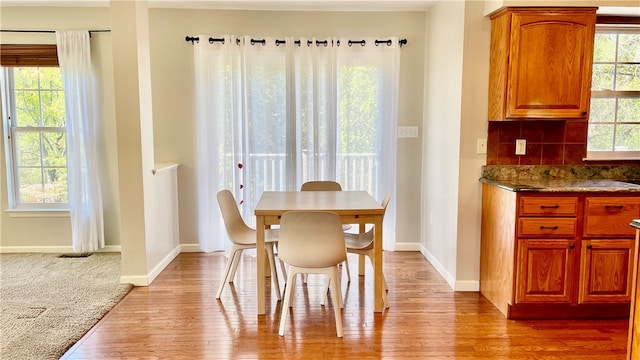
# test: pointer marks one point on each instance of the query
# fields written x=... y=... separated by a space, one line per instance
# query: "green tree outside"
x=39 y=135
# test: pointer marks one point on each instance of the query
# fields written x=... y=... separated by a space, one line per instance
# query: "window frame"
x=23 y=56
x=614 y=25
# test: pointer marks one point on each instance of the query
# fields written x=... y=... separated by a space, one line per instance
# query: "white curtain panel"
x=85 y=199
x=272 y=115
x=382 y=64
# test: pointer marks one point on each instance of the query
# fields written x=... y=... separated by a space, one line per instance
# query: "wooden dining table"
x=353 y=207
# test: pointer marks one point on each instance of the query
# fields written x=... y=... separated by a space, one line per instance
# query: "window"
x=614 y=124
x=34 y=124
x=278 y=116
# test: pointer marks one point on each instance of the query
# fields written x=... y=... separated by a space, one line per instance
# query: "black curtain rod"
x=212 y=40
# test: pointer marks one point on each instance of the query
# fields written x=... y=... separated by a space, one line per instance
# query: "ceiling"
x=306 y=5
x=301 y=5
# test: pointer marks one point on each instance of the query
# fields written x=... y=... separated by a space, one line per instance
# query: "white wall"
x=441 y=148
x=125 y=115
x=473 y=126
x=52 y=232
x=444 y=83
x=456 y=79
x=173 y=90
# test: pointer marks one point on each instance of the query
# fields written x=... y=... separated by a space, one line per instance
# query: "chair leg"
x=291 y=282
x=346 y=266
x=288 y=295
x=283 y=266
x=338 y=296
x=227 y=269
x=274 y=273
x=236 y=261
x=323 y=299
x=327 y=284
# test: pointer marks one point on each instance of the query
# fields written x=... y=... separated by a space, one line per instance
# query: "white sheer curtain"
x=271 y=115
x=85 y=199
x=375 y=67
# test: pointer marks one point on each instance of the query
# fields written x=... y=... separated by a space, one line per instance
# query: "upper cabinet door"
x=541 y=63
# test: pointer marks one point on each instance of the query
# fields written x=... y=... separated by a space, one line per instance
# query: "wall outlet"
x=521 y=146
x=481 y=146
x=407 y=131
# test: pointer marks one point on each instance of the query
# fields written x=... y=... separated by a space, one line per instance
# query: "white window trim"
x=614 y=155
x=8 y=112
x=38 y=213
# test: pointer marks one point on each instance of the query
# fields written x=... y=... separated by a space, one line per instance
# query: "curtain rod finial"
x=192 y=39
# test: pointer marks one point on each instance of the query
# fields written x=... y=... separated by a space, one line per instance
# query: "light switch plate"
x=407 y=131
x=481 y=146
x=521 y=146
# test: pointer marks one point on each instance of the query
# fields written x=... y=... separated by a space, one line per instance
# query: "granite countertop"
x=635 y=223
x=533 y=178
x=573 y=185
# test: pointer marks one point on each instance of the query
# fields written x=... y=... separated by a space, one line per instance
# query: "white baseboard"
x=456 y=285
x=190 y=248
x=50 y=249
x=467 y=285
x=407 y=247
x=138 y=280
x=439 y=267
x=163 y=264
x=142 y=280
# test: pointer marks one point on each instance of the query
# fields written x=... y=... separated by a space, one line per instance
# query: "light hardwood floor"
x=178 y=317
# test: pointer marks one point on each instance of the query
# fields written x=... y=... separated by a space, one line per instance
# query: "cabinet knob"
x=572 y=246
x=589 y=246
x=549 y=207
x=584 y=113
x=549 y=227
x=618 y=207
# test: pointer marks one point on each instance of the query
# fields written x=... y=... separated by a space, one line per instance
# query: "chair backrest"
x=321 y=186
x=311 y=239
x=369 y=234
x=385 y=202
x=237 y=229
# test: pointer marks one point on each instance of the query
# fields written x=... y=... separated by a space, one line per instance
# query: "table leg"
x=361 y=259
x=260 y=256
x=377 y=265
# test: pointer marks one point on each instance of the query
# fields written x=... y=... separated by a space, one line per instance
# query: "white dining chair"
x=362 y=244
x=242 y=237
x=312 y=242
x=327 y=185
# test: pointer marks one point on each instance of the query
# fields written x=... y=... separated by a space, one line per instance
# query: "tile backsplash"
x=549 y=142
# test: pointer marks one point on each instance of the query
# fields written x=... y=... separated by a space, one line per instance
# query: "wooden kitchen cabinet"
x=545 y=249
x=557 y=255
x=607 y=249
x=633 y=343
x=545 y=270
x=606 y=269
x=540 y=63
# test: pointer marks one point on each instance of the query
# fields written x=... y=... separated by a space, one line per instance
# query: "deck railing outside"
x=354 y=171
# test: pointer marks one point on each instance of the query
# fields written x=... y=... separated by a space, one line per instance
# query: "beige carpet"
x=47 y=302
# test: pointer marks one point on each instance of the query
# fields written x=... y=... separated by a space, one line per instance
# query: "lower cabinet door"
x=606 y=271
x=544 y=271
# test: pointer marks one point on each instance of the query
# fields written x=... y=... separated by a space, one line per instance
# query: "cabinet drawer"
x=548 y=206
x=610 y=216
x=547 y=227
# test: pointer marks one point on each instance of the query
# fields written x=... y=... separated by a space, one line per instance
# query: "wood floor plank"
x=178 y=317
